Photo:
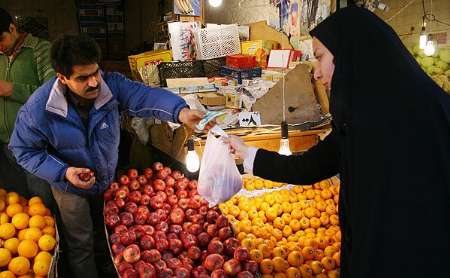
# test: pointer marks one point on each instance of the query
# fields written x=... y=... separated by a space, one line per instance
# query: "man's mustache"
x=90 y=89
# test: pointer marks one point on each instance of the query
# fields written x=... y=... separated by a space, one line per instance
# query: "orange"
x=27 y=248
x=47 y=243
x=11 y=244
x=5 y=257
x=4 y=218
x=308 y=252
x=19 y=265
x=271 y=213
x=7 y=230
x=322 y=242
x=317 y=267
x=37 y=221
x=266 y=266
x=49 y=231
x=336 y=199
x=248 y=243
x=310 y=194
x=324 y=218
x=293 y=246
x=333 y=274
x=242 y=215
x=234 y=211
x=326 y=194
x=267 y=276
x=277 y=234
x=293 y=272
x=286 y=217
x=295 y=258
x=298 y=189
x=280 y=275
x=296 y=213
x=23 y=201
x=256 y=255
x=265 y=250
x=279 y=252
x=304 y=223
x=252 y=213
x=329 y=251
x=34 y=200
x=306 y=271
x=337 y=236
x=20 y=220
x=314 y=222
x=337 y=258
x=14 y=209
x=280 y=264
x=12 y=198
x=321 y=206
x=37 y=209
x=21 y=234
x=295 y=225
x=33 y=234
x=7 y=274
x=334 y=220
x=286 y=207
x=328 y=263
x=287 y=231
x=278 y=223
x=241 y=235
x=41 y=267
x=321 y=275
x=43 y=256
x=2 y=205
x=331 y=209
x=318 y=254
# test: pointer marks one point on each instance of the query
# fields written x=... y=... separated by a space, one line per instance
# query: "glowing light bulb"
x=192 y=160
x=284 y=142
x=215 y=3
x=430 y=48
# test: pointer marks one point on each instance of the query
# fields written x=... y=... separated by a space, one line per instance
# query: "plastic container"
x=241 y=61
x=184 y=69
x=217 y=42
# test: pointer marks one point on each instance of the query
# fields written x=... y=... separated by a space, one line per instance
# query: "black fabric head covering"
x=5 y=21
x=393 y=126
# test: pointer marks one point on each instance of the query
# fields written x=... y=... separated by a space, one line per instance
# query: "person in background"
x=70 y=126
x=390 y=143
x=24 y=66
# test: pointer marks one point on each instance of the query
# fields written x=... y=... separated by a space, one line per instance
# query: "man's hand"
x=192 y=117
x=237 y=146
x=6 y=88
x=72 y=175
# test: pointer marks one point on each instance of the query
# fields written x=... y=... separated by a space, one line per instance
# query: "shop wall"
x=411 y=17
x=241 y=11
x=61 y=14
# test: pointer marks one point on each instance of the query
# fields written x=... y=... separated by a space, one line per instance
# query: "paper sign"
x=249 y=119
x=279 y=58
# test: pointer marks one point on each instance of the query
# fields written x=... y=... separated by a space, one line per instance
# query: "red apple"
x=147 y=189
x=124 y=180
x=114 y=186
x=166 y=273
x=195 y=229
x=162 y=194
x=151 y=256
x=182 y=272
x=241 y=254
x=176 y=229
x=173 y=263
x=182 y=194
x=167 y=255
x=175 y=245
x=112 y=220
x=127 y=238
x=225 y=233
x=120 y=229
x=213 y=262
x=232 y=267
x=183 y=203
x=162 y=244
x=162 y=226
x=212 y=216
x=157 y=166
x=193 y=193
x=222 y=221
x=212 y=230
x=121 y=267
x=132 y=173
x=142 y=180
x=156 y=202
x=146 y=270
x=147 y=242
x=160 y=265
x=134 y=185
x=173 y=200
x=245 y=274
x=177 y=175
x=189 y=240
x=148 y=230
x=132 y=254
x=145 y=200
x=114 y=238
x=121 y=193
x=218 y=273
x=119 y=202
x=169 y=191
x=177 y=216
x=86 y=176
x=111 y=207
x=148 y=172
x=131 y=207
x=159 y=185
x=194 y=253
x=193 y=184
x=170 y=181
x=108 y=195
x=160 y=235
x=230 y=246
x=203 y=210
x=117 y=248
x=198 y=218
x=251 y=266
x=126 y=219
x=180 y=185
x=215 y=247
x=203 y=239
x=140 y=218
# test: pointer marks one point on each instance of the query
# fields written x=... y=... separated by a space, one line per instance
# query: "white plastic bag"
x=219 y=177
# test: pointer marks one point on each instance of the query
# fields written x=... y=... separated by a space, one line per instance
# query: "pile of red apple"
x=160 y=227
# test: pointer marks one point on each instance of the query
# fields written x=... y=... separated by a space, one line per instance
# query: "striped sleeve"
x=43 y=62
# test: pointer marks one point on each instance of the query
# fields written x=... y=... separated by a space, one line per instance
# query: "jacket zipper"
x=5 y=99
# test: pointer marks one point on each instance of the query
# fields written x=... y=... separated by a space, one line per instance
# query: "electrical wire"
x=430 y=16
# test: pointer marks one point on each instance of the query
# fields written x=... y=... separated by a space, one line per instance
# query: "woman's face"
x=325 y=67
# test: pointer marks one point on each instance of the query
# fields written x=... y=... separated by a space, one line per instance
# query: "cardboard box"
x=260 y=49
x=139 y=60
x=211 y=99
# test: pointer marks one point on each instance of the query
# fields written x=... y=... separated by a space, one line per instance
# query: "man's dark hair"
x=5 y=21
x=74 y=50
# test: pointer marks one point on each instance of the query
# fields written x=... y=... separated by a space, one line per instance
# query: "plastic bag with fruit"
x=219 y=177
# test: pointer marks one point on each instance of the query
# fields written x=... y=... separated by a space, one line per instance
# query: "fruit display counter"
x=28 y=237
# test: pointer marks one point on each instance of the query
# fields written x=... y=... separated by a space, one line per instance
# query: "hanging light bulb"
x=215 y=3
x=192 y=160
x=284 y=142
x=423 y=38
x=430 y=48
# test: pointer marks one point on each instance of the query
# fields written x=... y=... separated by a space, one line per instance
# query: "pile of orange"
x=27 y=236
x=290 y=233
x=256 y=183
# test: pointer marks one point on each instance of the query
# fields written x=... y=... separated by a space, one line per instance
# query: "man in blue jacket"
x=71 y=124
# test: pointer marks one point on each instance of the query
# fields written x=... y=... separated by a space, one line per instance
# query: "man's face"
x=8 y=40
x=325 y=66
x=84 y=81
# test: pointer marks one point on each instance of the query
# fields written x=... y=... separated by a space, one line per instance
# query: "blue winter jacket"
x=49 y=135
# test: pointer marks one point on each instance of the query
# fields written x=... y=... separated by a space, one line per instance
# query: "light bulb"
x=192 y=160
x=422 y=41
x=430 y=48
x=215 y=3
x=284 y=147
x=284 y=142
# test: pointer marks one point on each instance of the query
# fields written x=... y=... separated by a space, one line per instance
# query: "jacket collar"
x=57 y=102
